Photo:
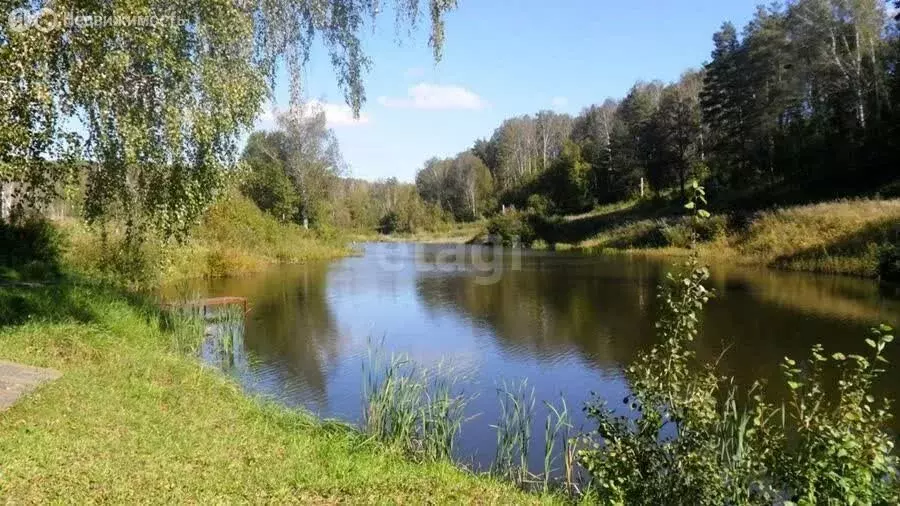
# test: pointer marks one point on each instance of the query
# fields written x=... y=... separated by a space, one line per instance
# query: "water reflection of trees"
x=291 y=325
x=291 y=331
x=761 y=316
x=557 y=306
x=604 y=309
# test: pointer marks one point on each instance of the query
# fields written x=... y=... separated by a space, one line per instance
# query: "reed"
x=227 y=333
x=187 y=327
x=443 y=414
x=416 y=409
x=514 y=431
x=556 y=424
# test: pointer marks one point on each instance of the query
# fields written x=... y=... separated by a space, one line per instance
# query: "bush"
x=547 y=229
x=539 y=204
x=889 y=264
x=30 y=250
x=389 y=223
x=693 y=438
x=512 y=228
x=639 y=234
x=234 y=238
x=677 y=235
x=712 y=228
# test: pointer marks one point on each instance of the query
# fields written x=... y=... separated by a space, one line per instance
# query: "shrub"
x=639 y=234
x=31 y=249
x=389 y=223
x=234 y=237
x=539 y=204
x=548 y=229
x=689 y=441
x=678 y=235
x=693 y=438
x=711 y=229
x=512 y=228
x=889 y=263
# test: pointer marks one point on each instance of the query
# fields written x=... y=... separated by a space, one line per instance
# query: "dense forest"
x=802 y=104
x=807 y=95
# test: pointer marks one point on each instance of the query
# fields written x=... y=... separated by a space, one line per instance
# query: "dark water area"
x=567 y=323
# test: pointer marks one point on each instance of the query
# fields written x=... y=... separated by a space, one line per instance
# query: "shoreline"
x=137 y=417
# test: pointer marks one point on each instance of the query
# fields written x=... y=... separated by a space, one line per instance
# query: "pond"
x=566 y=323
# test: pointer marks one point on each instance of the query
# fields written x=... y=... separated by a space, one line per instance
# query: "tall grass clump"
x=693 y=437
x=227 y=333
x=187 y=326
x=558 y=425
x=418 y=409
x=514 y=431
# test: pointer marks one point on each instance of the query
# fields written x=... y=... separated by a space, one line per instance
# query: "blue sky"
x=504 y=58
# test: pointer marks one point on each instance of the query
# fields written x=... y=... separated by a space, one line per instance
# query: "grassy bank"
x=452 y=233
x=234 y=238
x=838 y=237
x=135 y=418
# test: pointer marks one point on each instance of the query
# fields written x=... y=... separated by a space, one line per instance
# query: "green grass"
x=234 y=238
x=135 y=419
x=417 y=409
x=514 y=432
x=453 y=233
x=837 y=237
x=843 y=236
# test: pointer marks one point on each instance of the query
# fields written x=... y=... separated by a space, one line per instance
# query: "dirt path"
x=17 y=380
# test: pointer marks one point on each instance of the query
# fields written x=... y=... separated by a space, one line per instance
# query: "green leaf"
x=689 y=205
x=887 y=338
x=794 y=385
x=871 y=343
x=839 y=356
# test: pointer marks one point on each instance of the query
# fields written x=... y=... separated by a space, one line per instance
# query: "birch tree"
x=159 y=109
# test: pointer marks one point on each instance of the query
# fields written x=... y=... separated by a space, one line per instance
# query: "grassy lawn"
x=135 y=418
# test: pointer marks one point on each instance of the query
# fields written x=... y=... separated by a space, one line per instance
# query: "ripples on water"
x=567 y=323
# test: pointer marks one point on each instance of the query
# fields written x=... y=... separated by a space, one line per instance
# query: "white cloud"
x=336 y=115
x=436 y=96
x=339 y=114
x=560 y=102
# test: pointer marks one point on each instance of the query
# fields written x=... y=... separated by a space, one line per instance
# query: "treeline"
x=803 y=102
x=806 y=96
x=296 y=173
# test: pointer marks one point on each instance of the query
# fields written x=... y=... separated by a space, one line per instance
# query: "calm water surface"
x=567 y=323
